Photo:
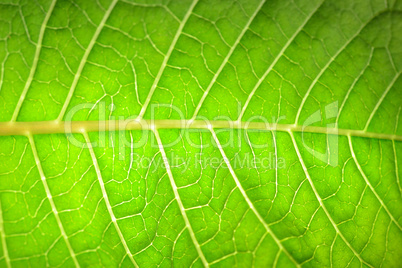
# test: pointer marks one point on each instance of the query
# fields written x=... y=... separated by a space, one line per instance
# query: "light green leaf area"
x=241 y=194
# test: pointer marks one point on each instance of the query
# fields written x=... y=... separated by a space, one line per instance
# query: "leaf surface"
x=200 y=133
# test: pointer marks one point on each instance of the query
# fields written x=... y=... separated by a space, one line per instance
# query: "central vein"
x=52 y=127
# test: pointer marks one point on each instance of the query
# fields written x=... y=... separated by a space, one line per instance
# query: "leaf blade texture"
x=197 y=133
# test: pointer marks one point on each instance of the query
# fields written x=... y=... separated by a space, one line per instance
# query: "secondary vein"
x=106 y=198
x=320 y=201
x=178 y=199
x=165 y=60
x=35 y=62
x=371 y=186
x=250 y=204
x=50 y=198
x=84 y=60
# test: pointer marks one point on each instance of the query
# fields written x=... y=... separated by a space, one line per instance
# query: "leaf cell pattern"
x=89 y=206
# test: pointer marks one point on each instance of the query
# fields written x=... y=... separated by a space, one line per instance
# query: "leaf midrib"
x=54 y=127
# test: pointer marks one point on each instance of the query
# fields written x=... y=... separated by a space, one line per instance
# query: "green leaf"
x=190 y=133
